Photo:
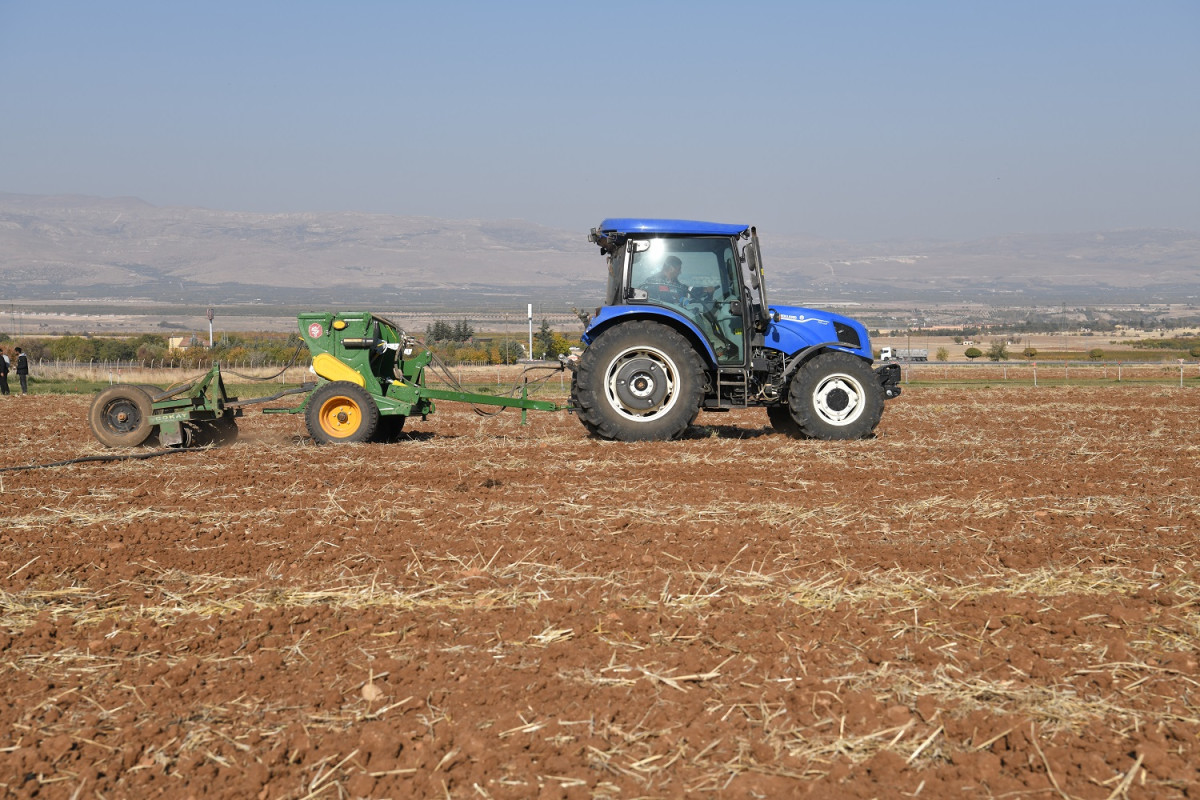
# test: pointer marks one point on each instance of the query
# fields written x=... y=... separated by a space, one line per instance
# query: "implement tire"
x=120 y=416
x=836 y=396
x=639 y=381
x=341 y=412
x=391 y=426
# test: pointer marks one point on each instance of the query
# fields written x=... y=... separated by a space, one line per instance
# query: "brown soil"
x=996 y=597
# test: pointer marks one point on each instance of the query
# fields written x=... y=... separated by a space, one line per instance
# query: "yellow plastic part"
x=339 y=324
x=331 y=369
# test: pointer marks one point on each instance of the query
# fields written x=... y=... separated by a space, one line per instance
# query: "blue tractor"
x=686 y=326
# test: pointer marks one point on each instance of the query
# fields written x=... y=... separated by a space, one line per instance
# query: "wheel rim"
x=340 y=416
x=839 y=399
x=642 y=383
x=121 y=416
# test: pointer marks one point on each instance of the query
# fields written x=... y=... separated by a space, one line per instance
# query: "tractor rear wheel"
x=341 y=412
x=638 y=381
x=120 y=416
x=836 y=396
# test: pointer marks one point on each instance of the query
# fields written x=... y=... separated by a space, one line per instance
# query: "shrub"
x=1029 y=352
x=1095 y=354
x=973 y=353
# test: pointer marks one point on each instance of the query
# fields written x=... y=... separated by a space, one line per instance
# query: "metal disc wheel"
x=217 y=432
x=224 y=430
x=341 y=412
x=120 y=416
x=639 y=381
x=836 y=396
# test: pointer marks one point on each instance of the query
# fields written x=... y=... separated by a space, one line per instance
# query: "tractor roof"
x=630 y=225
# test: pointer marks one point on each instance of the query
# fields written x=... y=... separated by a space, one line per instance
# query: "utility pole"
x=1064 y=326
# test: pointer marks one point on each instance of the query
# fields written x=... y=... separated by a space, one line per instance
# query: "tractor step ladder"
x=733 y=379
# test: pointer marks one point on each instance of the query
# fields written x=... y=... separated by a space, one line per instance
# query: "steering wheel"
x=663 y=292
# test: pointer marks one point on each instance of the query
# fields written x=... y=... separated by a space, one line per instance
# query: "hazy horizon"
x=861 y=121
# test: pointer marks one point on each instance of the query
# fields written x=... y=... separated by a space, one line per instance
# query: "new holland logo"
x=802 y=318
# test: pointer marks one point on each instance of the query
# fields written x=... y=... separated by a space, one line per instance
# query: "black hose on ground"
x=85 y=459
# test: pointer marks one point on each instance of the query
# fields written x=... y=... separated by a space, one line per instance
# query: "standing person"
x=23 y=370
x=3 y=372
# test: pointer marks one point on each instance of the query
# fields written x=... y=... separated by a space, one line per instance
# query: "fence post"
x=1034 y=374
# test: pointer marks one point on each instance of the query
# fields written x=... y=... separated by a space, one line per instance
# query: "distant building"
x=184 y=342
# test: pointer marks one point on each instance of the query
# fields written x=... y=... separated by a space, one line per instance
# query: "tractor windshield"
x=697 y=277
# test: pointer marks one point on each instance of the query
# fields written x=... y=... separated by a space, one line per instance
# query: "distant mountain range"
x=90 y=248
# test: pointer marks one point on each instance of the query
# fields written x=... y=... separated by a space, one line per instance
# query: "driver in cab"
x=667 y=286
x=666 y=281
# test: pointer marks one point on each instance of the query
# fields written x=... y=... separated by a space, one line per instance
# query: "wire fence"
x=1051 y=373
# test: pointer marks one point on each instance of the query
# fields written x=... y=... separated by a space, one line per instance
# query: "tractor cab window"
x=696 y=277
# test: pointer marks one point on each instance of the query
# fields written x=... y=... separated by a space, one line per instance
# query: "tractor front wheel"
x=836 y=396
x=341 y=412
x=638 y=381
x=120 y=416
x=781 y=420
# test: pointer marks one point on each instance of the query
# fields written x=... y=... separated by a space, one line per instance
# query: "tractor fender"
x=798 y=359
x=611 y=316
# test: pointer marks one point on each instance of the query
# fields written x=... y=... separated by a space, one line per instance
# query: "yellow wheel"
x=341 y=411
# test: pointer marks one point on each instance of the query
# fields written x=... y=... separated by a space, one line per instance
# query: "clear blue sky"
x=853 y=120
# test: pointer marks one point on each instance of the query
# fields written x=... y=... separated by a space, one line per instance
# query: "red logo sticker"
x=315 y=330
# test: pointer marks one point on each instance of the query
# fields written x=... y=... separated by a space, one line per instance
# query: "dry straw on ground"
x=996 y=597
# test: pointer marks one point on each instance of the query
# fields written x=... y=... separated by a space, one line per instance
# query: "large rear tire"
x=836 y=396
x=341 y=412
x=639 y=381
x=120 y=416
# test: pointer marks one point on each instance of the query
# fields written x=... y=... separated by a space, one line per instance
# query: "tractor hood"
x=793 y=328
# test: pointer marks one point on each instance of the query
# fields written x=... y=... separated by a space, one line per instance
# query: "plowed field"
x=995 y=597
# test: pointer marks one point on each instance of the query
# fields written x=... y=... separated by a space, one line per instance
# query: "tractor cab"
x=705 y=275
